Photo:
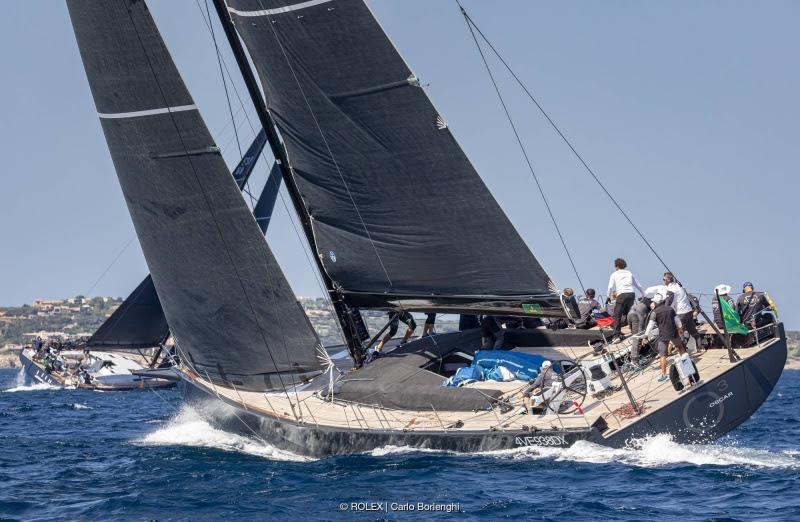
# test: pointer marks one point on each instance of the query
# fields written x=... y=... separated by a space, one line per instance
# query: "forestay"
x=397 y=209
x=228 y=304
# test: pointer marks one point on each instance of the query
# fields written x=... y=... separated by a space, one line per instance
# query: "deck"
x=308 y=408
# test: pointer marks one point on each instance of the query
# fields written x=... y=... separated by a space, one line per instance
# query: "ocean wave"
x=78 y=406
x=188 y=428
x=649 y=452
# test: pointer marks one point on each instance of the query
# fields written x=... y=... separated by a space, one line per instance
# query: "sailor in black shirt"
x=750 y=305
x=663 y=317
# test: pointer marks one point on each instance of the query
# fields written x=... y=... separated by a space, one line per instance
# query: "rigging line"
x=119 y=255
x=329 y=304
x=205 y=197
x=224 y=83
x=247 y=184
x=225 y=65
x=219 y=135
x=564 y=138
x=522 y=147
x=330 y=151
x=236 y=127
x=280 y=323
x=304 y=246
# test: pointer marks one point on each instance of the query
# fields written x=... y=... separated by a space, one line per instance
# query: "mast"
x=344 y=314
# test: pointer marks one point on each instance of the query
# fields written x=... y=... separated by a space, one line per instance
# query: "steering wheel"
x=572 y=378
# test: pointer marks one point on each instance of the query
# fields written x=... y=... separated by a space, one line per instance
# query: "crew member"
x=682 y=304
x=430 y=323
x=750 y=306
x=637 y=319
x=570 y=305
x=621 y=287
x=542 y=382
x=663 y=318
x=723 y=291
x=394 y=324
x=586 y=305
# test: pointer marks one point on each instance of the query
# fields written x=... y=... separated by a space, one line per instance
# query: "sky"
x=687 y=111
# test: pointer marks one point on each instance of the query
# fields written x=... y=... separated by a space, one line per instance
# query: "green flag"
x=732 y=322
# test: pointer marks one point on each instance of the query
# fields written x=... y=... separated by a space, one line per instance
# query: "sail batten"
x=226 y=300
x=396 y=207
x=147 y=112
x=278 y=10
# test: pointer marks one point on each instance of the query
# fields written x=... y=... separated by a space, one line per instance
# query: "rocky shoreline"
x=9 y=358
x=792 y=363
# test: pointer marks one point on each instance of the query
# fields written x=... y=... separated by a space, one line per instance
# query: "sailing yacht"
x=349 y=125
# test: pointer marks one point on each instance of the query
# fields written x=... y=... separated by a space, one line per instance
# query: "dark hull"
x=699 y=415
x=35 y=374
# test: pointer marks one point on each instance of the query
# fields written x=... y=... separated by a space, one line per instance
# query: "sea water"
x=77 y=454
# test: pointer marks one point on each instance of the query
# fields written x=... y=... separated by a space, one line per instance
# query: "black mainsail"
x=139 y=321
x=233 y=314
x=397 y=210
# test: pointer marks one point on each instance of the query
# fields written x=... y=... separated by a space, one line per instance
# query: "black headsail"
x=398 y=213
x=229 y=306
x=139 y=321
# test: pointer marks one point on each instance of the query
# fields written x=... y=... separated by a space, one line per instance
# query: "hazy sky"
x=688 y=111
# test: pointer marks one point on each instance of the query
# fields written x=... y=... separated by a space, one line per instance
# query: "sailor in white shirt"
x=621 y=287
x=682 y=304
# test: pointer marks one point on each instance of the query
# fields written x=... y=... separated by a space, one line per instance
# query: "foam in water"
x=22 y=386
x=188 y=428
x=400 y=450
x=655 y=451
x=78 y=406
x=31 y=387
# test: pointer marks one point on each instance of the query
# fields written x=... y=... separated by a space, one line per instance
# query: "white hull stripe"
x=279 y=10
x=149 y=112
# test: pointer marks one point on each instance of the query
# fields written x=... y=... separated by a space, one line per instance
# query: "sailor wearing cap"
x=542 y=382
x=722 y=290
x=750 y=305
x=663 y=318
